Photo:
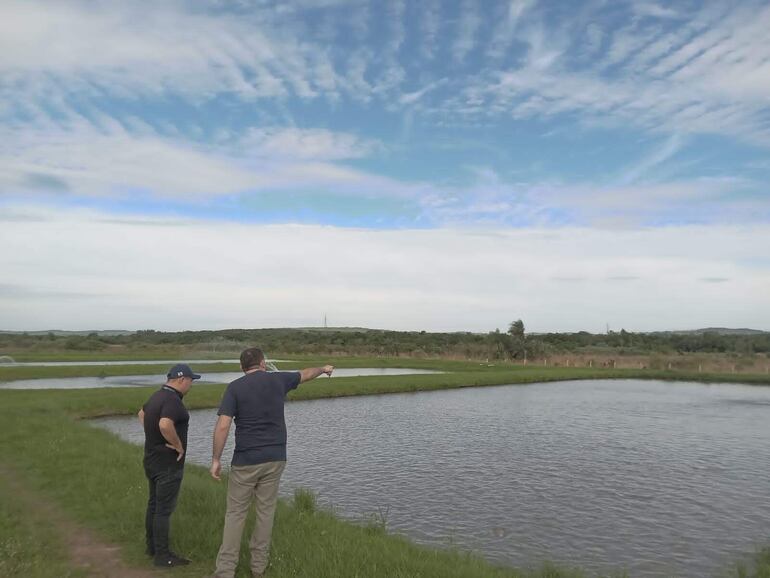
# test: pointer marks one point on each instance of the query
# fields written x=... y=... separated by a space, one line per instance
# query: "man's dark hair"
x=251 y=358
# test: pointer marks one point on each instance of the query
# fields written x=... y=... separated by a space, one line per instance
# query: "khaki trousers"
x=259 y=482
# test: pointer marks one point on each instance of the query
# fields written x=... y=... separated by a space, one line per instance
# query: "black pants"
x=164 y=489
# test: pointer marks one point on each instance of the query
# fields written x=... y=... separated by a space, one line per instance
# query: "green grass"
x=28 y=545
x=458 y=373
x=97 y=479
x=758 y=567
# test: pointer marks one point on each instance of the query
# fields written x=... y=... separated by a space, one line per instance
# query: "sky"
x=432 y=165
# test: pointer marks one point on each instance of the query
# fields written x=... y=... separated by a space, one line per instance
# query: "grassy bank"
x=119 y=401
x=457 y=373
x=97 y=479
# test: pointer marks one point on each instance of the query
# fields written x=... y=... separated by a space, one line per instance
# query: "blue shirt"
x=255 y=401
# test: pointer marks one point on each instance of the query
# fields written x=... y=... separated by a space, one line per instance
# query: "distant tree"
x=516 y=328
x=517 y=346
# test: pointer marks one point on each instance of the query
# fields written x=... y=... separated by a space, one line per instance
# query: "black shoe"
x=170 y=560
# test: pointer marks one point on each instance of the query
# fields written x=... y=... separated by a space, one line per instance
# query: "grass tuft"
x=305 y=501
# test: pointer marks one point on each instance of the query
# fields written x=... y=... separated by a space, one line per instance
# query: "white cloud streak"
x=506 y=27
x=429 y=27
x=668 y=149
x=468 y=27
x=83 y=159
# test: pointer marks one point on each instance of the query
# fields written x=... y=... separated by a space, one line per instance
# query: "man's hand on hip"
x=179 y=450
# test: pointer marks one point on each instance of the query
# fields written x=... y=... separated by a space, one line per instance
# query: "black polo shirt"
x=255 y=401
x=166 y=402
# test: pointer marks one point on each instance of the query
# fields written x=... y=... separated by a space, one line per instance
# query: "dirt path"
x=86 y=550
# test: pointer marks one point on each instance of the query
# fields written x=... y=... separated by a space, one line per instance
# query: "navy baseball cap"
x=181 y=370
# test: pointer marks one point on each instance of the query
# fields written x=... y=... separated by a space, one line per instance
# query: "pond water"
x=128 y=362
x=658 y=478
x=157 y=380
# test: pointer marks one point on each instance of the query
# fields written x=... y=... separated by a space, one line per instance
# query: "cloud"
x=631 y=200
x=200 y=53
x=429 y=28
x=506 y=26
x=87 y=161
x=708 y=73
x=468 y=26
x=412 y=97
x=150 y=51
x=654 y=10
x=79 y=159
x=191 y=101
x=477 y=279
x=642 y=168
x=35 y=293
x=711 y=76
x=315 y=144
x=82 y=159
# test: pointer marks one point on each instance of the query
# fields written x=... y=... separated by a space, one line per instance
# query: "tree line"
x=512 y=344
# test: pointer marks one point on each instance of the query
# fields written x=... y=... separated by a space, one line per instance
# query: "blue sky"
x=516 y=115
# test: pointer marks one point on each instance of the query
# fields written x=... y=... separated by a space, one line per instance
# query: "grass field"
x=459 y=373
x=97 y=480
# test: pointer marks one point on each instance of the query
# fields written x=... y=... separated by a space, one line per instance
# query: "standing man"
x=165 y=420
x=255 y=401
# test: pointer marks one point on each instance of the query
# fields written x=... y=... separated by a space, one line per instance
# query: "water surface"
x=662 y=479
x=157 y=380
x=127 y=362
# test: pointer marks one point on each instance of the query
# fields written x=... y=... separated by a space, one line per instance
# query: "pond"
x=659 y=478
x=157 y=380
x=9 y=362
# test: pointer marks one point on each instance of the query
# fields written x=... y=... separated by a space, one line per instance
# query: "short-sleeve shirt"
x=255 y=401
x=166 y=402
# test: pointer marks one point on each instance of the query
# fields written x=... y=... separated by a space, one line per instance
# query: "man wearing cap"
x=165 y=420
x=255 y=401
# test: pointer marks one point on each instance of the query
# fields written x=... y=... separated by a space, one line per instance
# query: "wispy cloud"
x=707 y=73
x=707 y=77
x=429 y=28
x=654 y=10
x=669 y=148
x=412 y=97
x=468 y=27
x=85 y=160
x=506 y=26
x=310 y=144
